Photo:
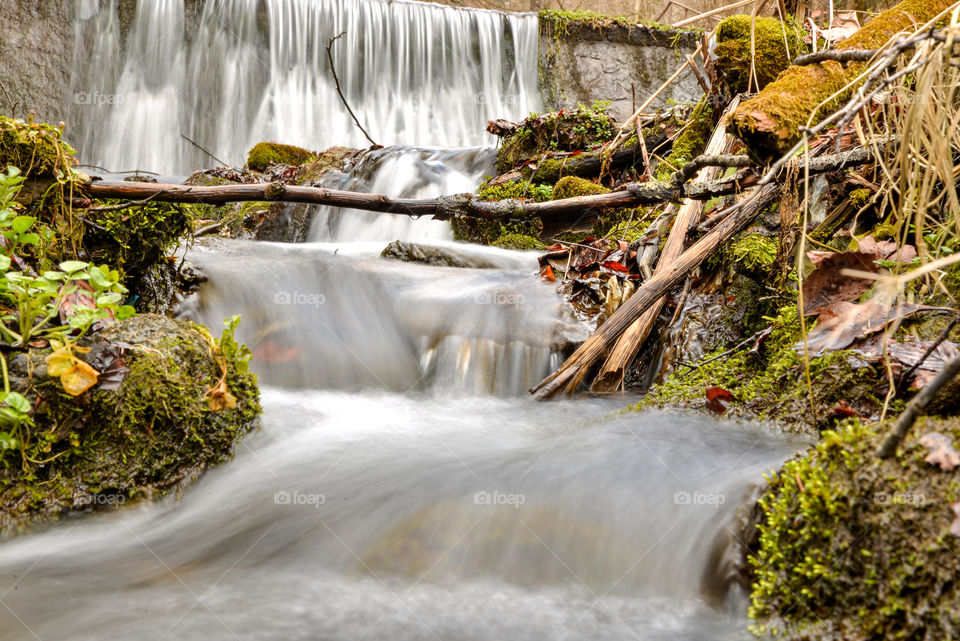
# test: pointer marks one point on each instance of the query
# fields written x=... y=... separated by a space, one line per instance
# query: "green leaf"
x=54 y=275
x=97 y=278
x=4 y=262
x=21 y=224
x=29 y=239
x=18 y=402
x=124 y=311
x=71 y=266
x=8 y=442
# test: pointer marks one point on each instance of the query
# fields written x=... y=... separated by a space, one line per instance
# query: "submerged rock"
x=182 y=406
x=433 y=255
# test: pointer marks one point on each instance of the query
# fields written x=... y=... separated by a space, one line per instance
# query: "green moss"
x=772 y=57
x=561 y=21
x=518 y=241
x=769 y=122
x=135 y=238
x=265 y=154
x=770 y=384
x=154 y=433
x=572 y=186
x=859 y=197
x=562 y=131
x=36 y=149
x=754 y=251
x=537 y=192
x=857 y=548
x=691 y=141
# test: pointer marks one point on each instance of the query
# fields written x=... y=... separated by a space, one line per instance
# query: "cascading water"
x=255 y=70
x=402 y=487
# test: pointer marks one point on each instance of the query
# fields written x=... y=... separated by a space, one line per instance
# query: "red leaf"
x=842 y=410
x=547 y=274
x=717 y=399
x=615 y=266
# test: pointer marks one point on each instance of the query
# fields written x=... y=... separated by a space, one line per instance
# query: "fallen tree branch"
x=916 y=407
x=611 y=374
x=461 y=205
x=569 y=376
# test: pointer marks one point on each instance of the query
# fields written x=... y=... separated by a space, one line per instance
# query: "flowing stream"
x=402 y=485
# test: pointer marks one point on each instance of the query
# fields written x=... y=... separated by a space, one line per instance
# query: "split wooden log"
x=611 y=375
x=770 y=122
x=569 y=375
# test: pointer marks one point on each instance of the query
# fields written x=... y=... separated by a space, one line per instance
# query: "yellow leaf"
x=79 y=378
x=59 y=361
x=219 y=397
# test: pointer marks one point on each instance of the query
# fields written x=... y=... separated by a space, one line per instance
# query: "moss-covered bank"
x=856 y=548
x=180 y=408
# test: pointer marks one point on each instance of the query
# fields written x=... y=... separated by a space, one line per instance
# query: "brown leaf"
x=827 y=285
x=843 y=324
x=219 y=397
x=941 y=449
x=887 y=249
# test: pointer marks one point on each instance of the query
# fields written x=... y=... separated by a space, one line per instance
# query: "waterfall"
x=251 y=70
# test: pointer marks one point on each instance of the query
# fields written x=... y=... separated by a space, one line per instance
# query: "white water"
x=414 y=74
x=402 y=486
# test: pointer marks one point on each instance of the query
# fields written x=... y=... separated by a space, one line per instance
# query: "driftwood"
x=770 y=123
x=569 y=376
x=457 y=205
x=611 y=374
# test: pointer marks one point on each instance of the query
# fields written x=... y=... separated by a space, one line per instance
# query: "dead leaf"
x=941 y=449
x=827 y=285
x=718 y=399
x=547 y=274
x=886 y=249
x=843 y=324
x=219 y=397
x=78 y=378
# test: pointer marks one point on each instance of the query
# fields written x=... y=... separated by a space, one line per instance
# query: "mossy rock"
x=856 y=548
x=485 y=232
x=152 y=435
x=572 y=186
x=265 y=154
x=518 y=241
x=772 y=57
x=36 y=149
x=332 y=158
x=136 y=238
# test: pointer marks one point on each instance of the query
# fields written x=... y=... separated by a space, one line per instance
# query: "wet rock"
x=432 y=255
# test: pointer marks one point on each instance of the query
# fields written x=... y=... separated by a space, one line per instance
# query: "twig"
x=198 y=146
x=755 y=339
x=712 y=12
x=203 y=231
x=916 y=407
x=839 y=55
x=125 y=171
x=687 y=172
x=336 y=82
x=128 y=205
x=942 y=337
